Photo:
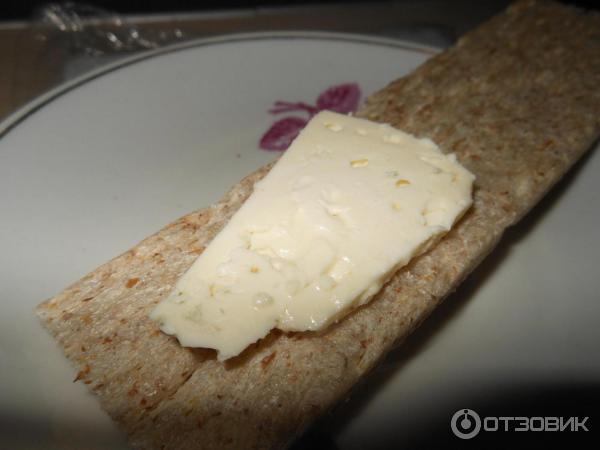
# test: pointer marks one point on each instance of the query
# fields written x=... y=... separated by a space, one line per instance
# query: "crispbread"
x=516 y=100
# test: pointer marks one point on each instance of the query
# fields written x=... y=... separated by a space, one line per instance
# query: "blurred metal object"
x=96 y=31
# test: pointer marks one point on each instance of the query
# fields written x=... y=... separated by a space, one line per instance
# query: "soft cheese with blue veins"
x=348 y=204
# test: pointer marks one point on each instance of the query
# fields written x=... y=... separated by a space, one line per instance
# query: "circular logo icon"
x=465 y=423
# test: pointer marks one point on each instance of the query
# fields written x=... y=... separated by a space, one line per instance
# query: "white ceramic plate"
x=93 y=167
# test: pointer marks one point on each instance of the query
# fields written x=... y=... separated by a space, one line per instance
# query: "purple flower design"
x=282 y=133
x=343 y=98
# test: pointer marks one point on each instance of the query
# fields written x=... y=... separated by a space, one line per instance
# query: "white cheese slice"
x=349 y=203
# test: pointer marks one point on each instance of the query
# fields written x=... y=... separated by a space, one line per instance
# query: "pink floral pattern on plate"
x=342 y=98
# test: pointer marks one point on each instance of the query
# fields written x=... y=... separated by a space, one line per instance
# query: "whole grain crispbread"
x=517 y=100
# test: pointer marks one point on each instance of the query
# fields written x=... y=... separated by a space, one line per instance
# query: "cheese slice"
x=349 y=203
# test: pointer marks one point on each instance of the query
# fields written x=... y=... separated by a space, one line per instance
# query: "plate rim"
x=45 y=97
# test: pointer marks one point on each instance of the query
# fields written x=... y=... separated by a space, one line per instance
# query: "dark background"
x=25 y=9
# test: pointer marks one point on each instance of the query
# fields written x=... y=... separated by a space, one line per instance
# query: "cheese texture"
x=349 y=203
